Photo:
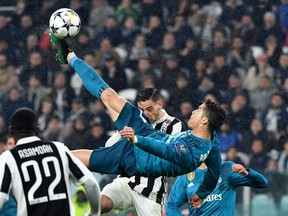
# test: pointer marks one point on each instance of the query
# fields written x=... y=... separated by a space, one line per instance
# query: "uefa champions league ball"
x=64 y=23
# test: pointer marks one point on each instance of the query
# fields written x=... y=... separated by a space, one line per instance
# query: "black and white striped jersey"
x=155 y=188
x=39 y=174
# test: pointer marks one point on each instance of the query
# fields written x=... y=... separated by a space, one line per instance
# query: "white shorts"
x=124 y=197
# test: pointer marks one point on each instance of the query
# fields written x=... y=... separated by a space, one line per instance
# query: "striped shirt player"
x=222 y=200
x=39 y=173
x=146 y=195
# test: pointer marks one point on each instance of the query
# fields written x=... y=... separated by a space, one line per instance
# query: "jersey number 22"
x=39 y=178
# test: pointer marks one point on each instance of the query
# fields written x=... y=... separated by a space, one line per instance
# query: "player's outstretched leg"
x=90 y=78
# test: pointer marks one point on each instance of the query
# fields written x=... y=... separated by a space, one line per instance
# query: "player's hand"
x=196 y=201
x=128 y=133
x=238 y=168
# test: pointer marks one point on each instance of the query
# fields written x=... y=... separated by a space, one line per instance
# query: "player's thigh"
x=133 y=117
x=116 y=159
x=120 y=193
x=113 y=102
x=145 y=206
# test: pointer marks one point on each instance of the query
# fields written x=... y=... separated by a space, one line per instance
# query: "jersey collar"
x=164 y=117
x=27 y=140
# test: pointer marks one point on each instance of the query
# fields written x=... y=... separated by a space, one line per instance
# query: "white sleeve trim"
x=84 y=179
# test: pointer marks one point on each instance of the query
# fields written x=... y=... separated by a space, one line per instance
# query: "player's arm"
x=159 y=148
x=82 y=176
x=211 y=177
x=5 y=179
x=177 y=197
x=240 y=176
x=93 y=194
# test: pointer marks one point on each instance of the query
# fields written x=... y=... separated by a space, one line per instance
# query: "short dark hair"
x=277 y=94
x=24 y=119
x=148 y=94
x=215 y=114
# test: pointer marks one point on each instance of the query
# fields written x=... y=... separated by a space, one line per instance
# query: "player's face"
x=151 y=109
x=196 y=117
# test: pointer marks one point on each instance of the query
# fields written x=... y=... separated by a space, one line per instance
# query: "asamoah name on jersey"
x=38 y=150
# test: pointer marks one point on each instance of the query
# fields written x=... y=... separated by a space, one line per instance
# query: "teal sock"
x=90 y=78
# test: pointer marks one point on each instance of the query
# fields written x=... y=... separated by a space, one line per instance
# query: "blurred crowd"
x=233 y=51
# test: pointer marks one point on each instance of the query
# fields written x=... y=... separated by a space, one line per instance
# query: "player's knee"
x=108 y=95
x=106 y=204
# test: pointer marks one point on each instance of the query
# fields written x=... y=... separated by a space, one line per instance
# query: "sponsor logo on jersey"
x=213 y=197
x=191 y=176
x=39 y=150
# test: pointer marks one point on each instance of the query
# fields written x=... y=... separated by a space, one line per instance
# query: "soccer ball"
x=64 y=23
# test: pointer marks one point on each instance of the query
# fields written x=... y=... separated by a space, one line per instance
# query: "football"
x=65 y=23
